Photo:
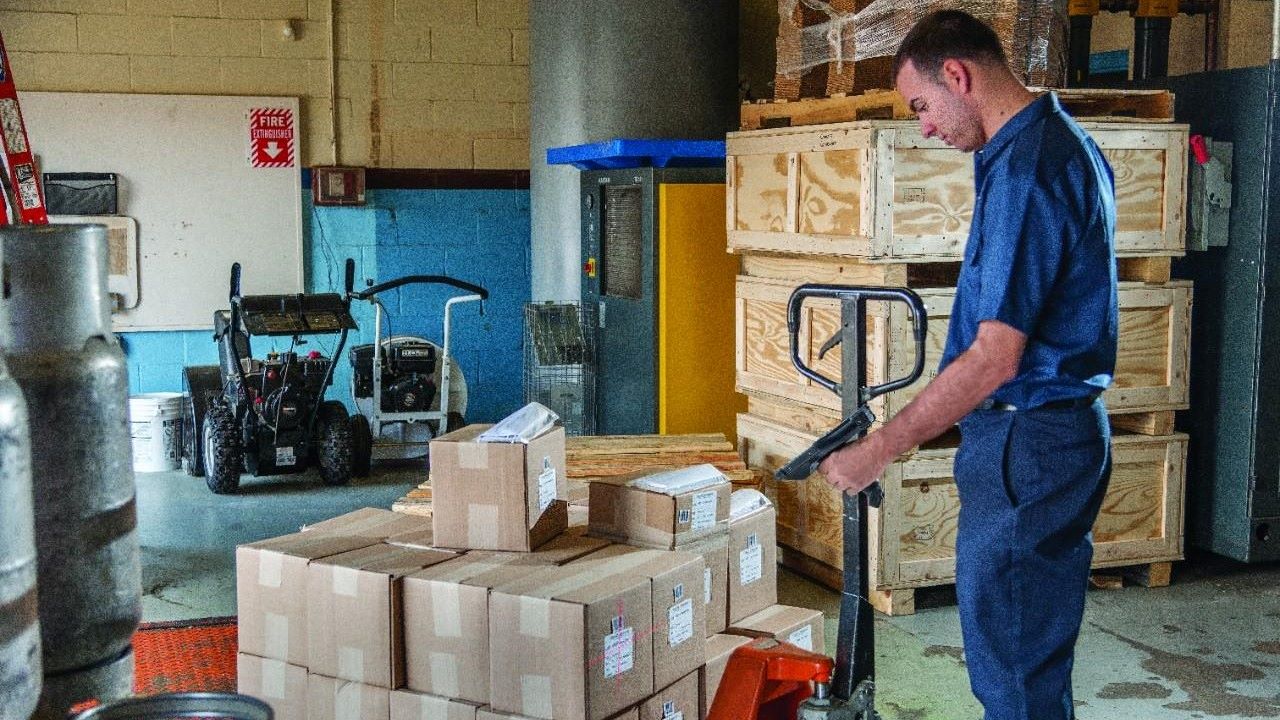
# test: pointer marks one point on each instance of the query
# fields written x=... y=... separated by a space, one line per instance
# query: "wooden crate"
x=880 y=191
x=1151 y=363
x=912 y=536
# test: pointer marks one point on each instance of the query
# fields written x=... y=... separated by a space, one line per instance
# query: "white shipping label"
x=680 y=622
x=669 y=711
x=802 y=638
x=704 y=510
x=706 y=586
x=546 y=488
x=674 y=716
x=285 y=456
x=750 y=564
x=619 y=652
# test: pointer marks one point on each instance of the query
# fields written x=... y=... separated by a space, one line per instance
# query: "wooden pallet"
x=1089 y=105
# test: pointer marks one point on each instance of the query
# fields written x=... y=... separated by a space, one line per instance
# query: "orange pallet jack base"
x=768 y=680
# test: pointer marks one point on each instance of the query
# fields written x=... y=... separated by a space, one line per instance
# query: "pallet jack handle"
x=851 y=694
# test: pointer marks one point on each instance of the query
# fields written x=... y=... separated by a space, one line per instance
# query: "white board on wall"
x=185 y=176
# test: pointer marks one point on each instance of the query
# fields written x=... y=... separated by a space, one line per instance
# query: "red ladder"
x=23 y=196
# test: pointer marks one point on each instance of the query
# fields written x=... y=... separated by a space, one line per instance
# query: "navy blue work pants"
x=1031 y=484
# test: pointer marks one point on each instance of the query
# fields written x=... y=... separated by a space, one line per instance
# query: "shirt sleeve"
x=1027 y=233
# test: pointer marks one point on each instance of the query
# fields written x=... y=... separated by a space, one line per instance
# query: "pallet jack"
x=769 y=680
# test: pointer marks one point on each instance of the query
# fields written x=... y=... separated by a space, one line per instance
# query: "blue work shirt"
x=1041 y=256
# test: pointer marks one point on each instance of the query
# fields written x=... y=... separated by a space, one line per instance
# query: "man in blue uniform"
x=1032 y=344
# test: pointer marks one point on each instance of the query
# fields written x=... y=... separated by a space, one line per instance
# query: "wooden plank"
x=761 y=199
x=1085 y=105
x=1159 y=422
x=1151 y=575
x=597 y=445
x=897 y=602
x=1150 y=270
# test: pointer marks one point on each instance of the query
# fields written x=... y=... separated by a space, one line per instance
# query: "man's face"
x=940 y=104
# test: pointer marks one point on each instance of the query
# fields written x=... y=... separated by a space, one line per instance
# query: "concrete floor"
x=1206 y=647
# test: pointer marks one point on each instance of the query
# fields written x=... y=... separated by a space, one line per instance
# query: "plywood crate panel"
x=1151 y=364
x=912 y=536
x=880 y=190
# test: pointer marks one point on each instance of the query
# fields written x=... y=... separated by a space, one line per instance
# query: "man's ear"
x=955 y=75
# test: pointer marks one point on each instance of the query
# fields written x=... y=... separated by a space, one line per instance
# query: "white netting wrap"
x=1033 y=32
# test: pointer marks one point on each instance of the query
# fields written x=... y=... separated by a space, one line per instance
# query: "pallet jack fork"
x=769 y=680
x=23 y=196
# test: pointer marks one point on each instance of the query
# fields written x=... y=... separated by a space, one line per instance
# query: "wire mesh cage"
x=560 y=362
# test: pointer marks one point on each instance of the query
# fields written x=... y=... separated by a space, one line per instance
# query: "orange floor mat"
x=187 y=656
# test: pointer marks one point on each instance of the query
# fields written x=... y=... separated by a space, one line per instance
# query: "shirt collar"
x=1039 y=109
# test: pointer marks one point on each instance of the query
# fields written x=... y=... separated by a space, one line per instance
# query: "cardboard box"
x=332 y=699
x=679 y=701
x=678 y=626
x=719 y=648
x=715 y=582
x=374 y=523
x=570 y=643
x=801 y=627
x=406 y=705
x=354 y=615
x=753 y=562
x=497 y=496
x=271 y=592
x=649 y=510
x=274 y=682
x=446 y=623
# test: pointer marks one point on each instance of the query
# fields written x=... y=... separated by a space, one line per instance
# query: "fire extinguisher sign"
x=272 y=138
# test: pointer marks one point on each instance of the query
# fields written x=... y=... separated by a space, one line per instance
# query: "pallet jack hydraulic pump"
x=769 y=680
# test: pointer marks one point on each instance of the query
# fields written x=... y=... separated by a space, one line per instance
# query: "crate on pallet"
x=1084 y=104
x=1151 y=363
x=880 y=191
x=912 y=536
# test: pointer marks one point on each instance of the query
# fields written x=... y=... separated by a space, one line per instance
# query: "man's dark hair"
x=948 y=34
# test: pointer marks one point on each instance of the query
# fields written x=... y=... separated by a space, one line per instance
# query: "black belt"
x=1069 y=404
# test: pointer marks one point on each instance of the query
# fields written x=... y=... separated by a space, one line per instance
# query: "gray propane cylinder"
x=19 y=622
x=72 y=373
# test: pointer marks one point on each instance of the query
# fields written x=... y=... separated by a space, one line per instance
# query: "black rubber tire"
x=454 y=421
x=333 y=443
x=192 y=439
x=221 y=452
x=361 y=445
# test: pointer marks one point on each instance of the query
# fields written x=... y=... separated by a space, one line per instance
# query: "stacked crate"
x=874 y=202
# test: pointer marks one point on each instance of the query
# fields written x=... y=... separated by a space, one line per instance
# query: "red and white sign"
x=271 y=138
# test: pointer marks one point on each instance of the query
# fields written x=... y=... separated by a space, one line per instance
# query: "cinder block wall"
x=420 y=83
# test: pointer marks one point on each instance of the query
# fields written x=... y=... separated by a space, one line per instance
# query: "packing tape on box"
x=482 y=526
x=275 y=634
x=473 y=456
x=535 y=695
x=446 y=610
x=433 y=707
x=346 y=701
x=444 y=674
x=535 y=617
x=273 y=679
x=350 y=663
x=346 y=581
x=269 y=569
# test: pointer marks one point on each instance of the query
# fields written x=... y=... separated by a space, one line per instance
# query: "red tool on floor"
x=24 y=196
x=769 y=680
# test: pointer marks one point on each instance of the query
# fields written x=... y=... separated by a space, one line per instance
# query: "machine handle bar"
x=420 y=280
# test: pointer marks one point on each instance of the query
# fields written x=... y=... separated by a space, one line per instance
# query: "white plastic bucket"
x=155 y=425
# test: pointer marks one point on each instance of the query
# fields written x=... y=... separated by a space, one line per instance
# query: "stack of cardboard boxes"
x=495 y=609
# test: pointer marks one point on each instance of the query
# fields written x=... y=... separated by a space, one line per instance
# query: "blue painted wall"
x=481 y=236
